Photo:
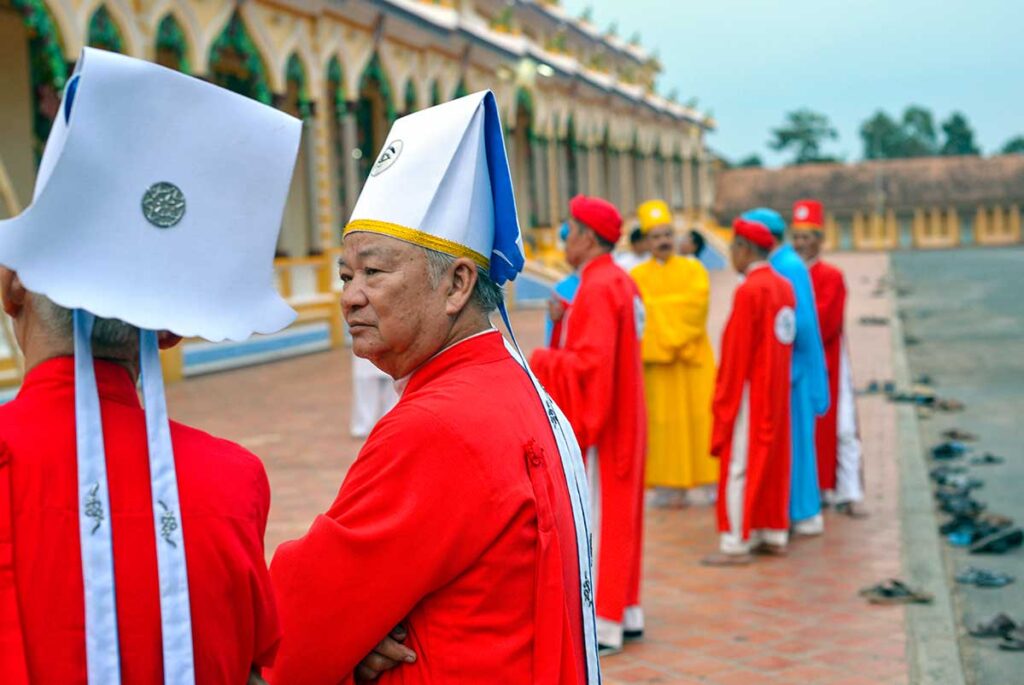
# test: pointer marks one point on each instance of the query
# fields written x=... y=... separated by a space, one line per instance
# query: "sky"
x=751 y=61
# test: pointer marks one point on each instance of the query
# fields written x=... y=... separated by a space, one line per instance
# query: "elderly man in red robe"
x=597 y=378
x=750 y=436
x=464 y=516
x=839 y=452
x=131 y=546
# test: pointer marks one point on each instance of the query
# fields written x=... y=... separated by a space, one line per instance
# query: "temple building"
x=924 y=202
x=579 y=104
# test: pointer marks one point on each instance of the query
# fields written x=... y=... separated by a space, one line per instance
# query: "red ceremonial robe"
x=830 y=295
x=224 y=500
x=455 y=520
x=754 y=360
x=597 y=380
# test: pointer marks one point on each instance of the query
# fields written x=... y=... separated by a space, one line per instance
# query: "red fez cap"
x=599 y=215
x=808 y=215
x=754 y=231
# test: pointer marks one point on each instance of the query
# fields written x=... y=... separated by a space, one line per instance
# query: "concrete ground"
x=966 y=312
x=794 y=620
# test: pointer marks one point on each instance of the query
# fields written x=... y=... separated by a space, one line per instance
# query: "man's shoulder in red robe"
x=225 y=498
x=455 y=519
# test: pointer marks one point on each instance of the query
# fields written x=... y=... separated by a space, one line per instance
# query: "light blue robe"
x=566 y=289
x=809 y=396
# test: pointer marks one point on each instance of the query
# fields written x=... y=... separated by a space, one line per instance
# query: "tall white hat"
x=442 y=181
x=158 y=202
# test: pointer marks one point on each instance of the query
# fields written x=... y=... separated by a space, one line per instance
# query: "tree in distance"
x=959 y=136
x=915 y=135
x=751 y=161
x=1014 y=146
x=804 y=132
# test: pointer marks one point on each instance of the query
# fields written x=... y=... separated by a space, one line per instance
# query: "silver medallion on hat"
x=163 y=204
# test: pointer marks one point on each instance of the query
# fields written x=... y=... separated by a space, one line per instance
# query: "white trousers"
x=732 y=540
x=849 y=476
x=373 y=396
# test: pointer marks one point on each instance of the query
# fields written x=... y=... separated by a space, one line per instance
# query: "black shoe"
x=633 y=635
x=1000 y=542
x=607 y=650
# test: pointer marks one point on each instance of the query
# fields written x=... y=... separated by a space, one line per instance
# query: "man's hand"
x=556 y=308
x=388 y=654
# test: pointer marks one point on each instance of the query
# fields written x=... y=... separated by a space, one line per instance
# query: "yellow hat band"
x=411 y=235
x=803 y=226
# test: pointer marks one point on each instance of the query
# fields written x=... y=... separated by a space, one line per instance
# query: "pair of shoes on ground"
x=983 y=577
x=965 y=530
x=895 y=591
x=1001 y=626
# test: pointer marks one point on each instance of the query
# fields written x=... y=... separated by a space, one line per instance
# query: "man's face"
x=662 y=241
x=807 y=243
x=740 y=255
x=578 y=244
x=642 y=246
x=397 y=319
x=686 y=246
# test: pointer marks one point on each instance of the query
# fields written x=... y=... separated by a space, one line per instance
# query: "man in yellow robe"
x=679 y=364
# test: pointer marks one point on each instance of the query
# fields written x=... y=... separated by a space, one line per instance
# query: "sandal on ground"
x=999 y=625
x=895 y=591
x=957 y=434
x=983 y=577
x=987 y=459
x=1000 y=542
x=951 y=449
x=608 y=650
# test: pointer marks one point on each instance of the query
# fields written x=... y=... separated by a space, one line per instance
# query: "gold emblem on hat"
x=163 y=205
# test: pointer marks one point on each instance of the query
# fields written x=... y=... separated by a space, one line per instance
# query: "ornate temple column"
x=687 y=182
x=352 y=154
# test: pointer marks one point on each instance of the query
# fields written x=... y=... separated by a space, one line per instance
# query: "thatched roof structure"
x=900 y=184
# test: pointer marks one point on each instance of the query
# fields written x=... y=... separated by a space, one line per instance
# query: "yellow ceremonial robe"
x=679 y=372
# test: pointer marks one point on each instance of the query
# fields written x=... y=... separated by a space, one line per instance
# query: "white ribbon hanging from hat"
x=158 y=202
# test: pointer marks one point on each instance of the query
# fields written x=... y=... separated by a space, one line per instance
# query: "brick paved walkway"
x=794 y=620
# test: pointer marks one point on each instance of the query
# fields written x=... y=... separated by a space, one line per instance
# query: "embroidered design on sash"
x=94 y=508
x=168 y=524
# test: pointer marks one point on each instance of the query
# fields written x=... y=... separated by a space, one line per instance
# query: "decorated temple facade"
x=579 y=103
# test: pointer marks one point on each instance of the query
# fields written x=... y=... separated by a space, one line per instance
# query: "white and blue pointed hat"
x=442 y=181
x=158 y=202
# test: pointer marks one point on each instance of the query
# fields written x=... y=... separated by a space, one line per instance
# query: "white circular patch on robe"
x=785 y=326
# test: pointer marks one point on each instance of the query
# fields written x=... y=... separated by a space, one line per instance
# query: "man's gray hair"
x=111 y=338
x=487 y=295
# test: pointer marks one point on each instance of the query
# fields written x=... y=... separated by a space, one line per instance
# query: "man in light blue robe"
x=809 y=396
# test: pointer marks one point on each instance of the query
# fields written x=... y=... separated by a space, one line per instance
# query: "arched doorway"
x=33 y=72
x=374 y=114
x=524 y=178
x=410 y=97
x=334 y=100
x=435 y=94
x=171 y=45
x=460 y=90
x=236 y=64
x=573 y=162
x=299 y=233
x=104 y=32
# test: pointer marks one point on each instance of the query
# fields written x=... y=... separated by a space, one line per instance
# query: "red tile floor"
x=794 y=620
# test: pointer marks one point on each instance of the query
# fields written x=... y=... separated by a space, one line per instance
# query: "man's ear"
x=12 y=292
x=464 y=277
